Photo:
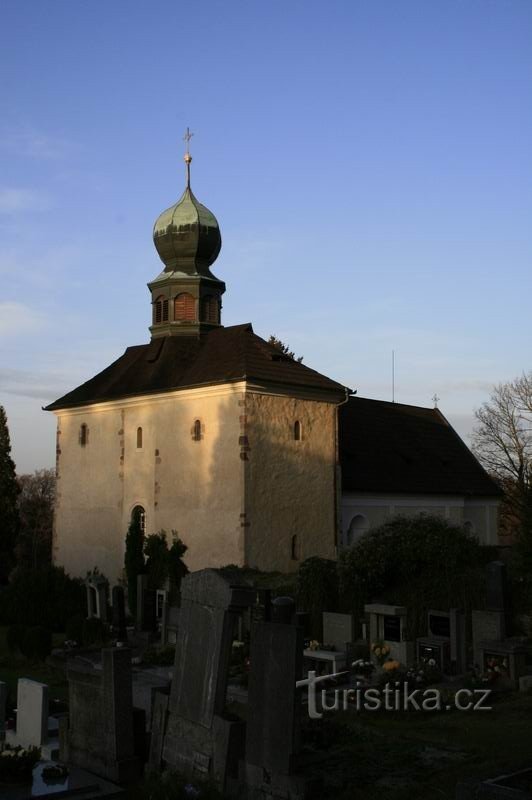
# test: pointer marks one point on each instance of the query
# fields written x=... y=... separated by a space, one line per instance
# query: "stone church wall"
x=290 y=483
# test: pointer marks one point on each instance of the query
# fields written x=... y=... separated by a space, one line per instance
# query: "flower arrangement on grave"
x=363 y=667
x=391 y=666
x=381 y=652
x=496 y=668
x=314 y=644
x=55 y=772
x=425 y=673
x=17 y=763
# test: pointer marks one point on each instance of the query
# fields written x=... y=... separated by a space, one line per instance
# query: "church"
x=252 y=457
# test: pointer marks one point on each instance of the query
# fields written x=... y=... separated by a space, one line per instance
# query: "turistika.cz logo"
x=396 y=696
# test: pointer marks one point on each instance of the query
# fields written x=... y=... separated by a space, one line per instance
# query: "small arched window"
x=185 y=307
x=358 y=526
x=83 y=434
x=139 y=438
x=297 y=431
x=209 y=309
x=294 y=548
x=138 y=516
x=196 y=431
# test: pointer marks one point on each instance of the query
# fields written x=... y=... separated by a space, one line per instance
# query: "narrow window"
x=185 y=307
x=196 y=431
x=83 y=434
x=139 y=438
x=294 y=548
x=165 y=310
x=158 y=310
x=209 y=312
x=297 y=430
x=138 y=515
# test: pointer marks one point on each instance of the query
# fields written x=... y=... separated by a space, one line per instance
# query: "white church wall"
x=376 y=509
x=192 y=486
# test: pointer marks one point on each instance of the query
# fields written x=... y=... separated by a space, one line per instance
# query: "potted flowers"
x=381 y=652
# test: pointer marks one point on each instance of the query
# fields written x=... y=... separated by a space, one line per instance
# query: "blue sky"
x=368 y=161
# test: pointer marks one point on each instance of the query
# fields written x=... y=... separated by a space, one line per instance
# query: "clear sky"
x=369 y=162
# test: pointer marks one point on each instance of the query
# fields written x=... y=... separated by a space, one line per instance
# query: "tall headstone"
x=119 y=614
x=199 y=738
x=274 y=726
x=496 y=586
x=100 y=734
x=3 y=709
x=97 y=587
x=32 y=713
x=146 y=606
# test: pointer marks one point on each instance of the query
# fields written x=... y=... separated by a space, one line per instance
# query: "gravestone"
x=445 y=642
x=338 y=630
x=273 y=731
x=100 y=732
x=3 y=710
x=119 y=614
x=200 y=739
x=158 y=730
x=97 y=587
x=32 y=713
x=487 y=626
x=146 y=606
x=496 y=586
x=387 y=624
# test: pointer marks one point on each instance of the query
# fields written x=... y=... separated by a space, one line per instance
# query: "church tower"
x=186 y=296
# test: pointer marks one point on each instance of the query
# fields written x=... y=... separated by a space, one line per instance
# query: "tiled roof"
x=395 y=448
x=176 y=362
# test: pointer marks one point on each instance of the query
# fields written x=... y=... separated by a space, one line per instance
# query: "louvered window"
x=185 y=307
x=158 y=310
x=165 y=310
x=210 y=309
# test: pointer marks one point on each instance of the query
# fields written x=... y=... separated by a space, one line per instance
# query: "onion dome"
x=187 y=235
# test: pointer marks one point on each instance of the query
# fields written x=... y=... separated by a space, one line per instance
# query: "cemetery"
x=206 y=687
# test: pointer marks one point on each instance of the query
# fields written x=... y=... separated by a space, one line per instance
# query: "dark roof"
x=390 y=447
x=177 y=362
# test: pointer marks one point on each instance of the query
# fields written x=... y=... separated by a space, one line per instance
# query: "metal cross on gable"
x=435 y=399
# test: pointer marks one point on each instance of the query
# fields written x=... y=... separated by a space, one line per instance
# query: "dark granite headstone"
x=197 y=734
x=273 y=731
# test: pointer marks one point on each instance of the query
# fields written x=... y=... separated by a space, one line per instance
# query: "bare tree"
x=36 y=510
x=502 y=440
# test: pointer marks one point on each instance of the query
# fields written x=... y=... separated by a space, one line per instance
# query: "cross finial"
x=188 y=158
x=435 y=399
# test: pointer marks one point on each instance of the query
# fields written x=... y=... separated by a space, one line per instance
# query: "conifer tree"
x=9 y=521
x=134 y=559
